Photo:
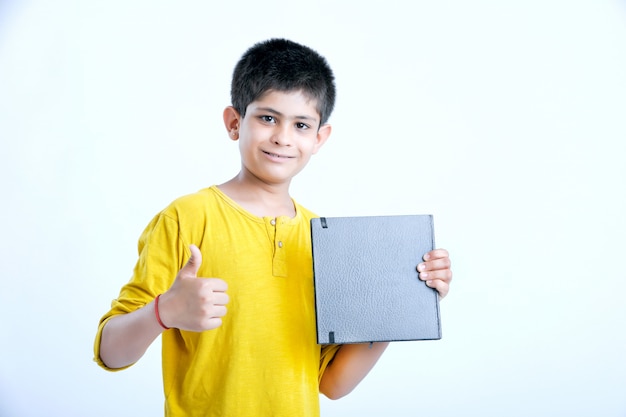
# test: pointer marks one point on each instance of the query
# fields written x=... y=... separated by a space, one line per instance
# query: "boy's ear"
x=322 y=136
x=231 y=122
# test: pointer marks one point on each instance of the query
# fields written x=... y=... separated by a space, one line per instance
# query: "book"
x=367 y=288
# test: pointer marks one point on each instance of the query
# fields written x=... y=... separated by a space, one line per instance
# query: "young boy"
x=246 y=244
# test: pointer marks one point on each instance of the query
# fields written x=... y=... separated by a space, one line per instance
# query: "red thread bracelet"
x=156 y=312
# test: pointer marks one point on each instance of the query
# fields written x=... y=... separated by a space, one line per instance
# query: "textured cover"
x=367 y=287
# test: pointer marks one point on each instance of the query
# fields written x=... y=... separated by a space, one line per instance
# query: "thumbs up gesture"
x=194 y=303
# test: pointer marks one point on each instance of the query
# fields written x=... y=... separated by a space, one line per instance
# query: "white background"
x=504 y=119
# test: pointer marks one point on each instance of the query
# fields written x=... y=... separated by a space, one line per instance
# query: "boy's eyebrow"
x=277 y=113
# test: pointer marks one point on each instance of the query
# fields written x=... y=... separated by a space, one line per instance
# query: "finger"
x=220 y=299
x=212 y=323
x=218 y=311
x=441 y=274
x=216 y=285
x=441 y=263
x=193 y=264
x=213 y=317
x=435 y=254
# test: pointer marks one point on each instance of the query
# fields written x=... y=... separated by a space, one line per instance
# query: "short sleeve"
x=160 y=253
x=326 y=357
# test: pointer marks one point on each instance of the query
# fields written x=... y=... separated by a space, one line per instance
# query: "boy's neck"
x=260 y=199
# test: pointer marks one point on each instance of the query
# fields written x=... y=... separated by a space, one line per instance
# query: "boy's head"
x=283 y=65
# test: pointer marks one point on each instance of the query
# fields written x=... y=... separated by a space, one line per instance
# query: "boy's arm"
x=126 y=337
x=349 y=366
x=353 y=362
x=190 y=304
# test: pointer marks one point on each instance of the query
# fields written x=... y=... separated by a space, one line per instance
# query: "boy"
x=245 y=244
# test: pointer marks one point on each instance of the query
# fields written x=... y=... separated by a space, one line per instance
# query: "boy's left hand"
x=435 y=270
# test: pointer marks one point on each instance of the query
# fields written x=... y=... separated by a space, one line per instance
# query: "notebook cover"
x=367 y=287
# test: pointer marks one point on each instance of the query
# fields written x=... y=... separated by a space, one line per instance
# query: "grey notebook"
x=367 y=287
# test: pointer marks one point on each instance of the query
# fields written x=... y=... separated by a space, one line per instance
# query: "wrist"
x=157 y=313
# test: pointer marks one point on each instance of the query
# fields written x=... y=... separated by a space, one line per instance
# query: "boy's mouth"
x=275 y=155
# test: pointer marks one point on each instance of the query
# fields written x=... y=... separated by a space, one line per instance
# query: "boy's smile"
x=277 y=136
x=273 y=155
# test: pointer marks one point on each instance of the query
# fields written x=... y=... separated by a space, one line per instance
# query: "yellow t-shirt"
x=263 y=360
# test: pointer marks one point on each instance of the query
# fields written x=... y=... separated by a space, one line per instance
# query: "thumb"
x=193 y=264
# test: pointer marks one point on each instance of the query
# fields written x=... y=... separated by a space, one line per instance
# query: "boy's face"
x=277 y=136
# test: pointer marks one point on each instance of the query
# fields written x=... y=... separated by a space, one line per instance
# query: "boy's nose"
x=281 y=138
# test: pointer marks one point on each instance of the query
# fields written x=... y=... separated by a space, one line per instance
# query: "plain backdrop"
x=506 y=120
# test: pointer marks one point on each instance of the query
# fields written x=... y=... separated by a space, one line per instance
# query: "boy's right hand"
x=193 y=303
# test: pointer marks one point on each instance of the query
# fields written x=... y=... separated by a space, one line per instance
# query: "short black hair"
x=283 y=65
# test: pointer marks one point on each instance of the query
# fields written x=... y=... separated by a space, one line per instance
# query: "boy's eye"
x=268 y=119
x=303 y=126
